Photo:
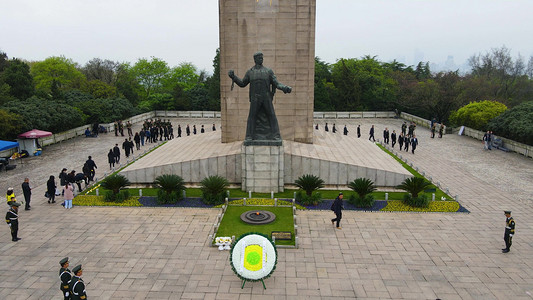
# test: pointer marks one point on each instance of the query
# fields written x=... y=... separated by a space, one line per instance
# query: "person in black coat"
x=116 y=153
x=326 y=127
x=406 y=142
x=337 y=208
x=371 y=134
x=358 y=131
x=400 y=140
x=179 y=130
x=386 y=135
x=126 y=147
x=345 y=130
x=393 y=138
x=51 y=189
x=414 y=143
x=26 y=189
x=111 y=159
x=194 y=129
x=92 y=168
x=334 y=129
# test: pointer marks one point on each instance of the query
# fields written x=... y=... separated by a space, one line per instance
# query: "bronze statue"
x=262 y=123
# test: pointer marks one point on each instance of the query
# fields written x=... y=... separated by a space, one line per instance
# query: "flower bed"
x=263 y=201
x=90 y=200
x=435 y=206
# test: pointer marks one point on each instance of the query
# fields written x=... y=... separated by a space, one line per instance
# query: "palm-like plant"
x=170 y=183
x=213 y=188
x=362 y=186
x=309 y=183
x=115 y=183
x=414 y=185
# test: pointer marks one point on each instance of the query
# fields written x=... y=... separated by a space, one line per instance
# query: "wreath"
x=253 y=257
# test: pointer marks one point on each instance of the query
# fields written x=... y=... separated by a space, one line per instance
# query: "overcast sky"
x=187 y=31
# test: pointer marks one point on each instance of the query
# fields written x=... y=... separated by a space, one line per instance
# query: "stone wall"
x=285 y=32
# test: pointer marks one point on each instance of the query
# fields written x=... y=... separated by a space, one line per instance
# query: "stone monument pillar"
x=285 y=32
x=262 y=169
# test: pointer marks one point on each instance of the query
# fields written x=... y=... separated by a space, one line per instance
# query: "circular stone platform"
x=258 y=217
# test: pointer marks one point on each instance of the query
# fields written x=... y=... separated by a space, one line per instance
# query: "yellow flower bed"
x=261 y=201
x=435 y=206
x=91 y=200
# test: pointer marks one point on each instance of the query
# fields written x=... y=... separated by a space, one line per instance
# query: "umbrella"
x=34 y=134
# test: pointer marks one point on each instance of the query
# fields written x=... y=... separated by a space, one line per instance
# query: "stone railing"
x=418 y=120
x=514 y=146
x=186 y=114
x=353 y=115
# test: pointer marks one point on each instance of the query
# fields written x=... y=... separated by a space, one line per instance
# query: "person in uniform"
x=76 y=285
x=10 y=196
x=65 y=276
x=12 y=219
x=337 y=208
x=509 y=231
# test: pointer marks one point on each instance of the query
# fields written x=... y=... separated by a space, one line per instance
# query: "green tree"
x=102 y=70
x=323 y=86
x=213 y=84
x=10 y=125
x=99 y=89
x=186 y=75
x=309 y=183
x=127 y=84
x=476 y=115
x=59 y=70
x=151 y=74
x=17 y=75
x=515 y=123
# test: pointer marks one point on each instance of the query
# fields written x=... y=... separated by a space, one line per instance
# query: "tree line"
x=57 y=94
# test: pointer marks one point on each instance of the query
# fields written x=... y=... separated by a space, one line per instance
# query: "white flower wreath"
x=253 y=257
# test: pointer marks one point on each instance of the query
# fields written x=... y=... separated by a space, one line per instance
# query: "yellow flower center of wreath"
x=253 y=258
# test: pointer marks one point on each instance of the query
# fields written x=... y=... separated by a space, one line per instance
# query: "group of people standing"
x=72 y=285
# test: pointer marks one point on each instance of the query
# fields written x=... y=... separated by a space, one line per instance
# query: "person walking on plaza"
x=371 y=134
x=326 y=128
x=179 y=130
x=386 y=135
x=404 y=128
x=358 y=131
x=51 y=189
x=92 y=168
x=26 y=190
x=393 y=138
x=433 y=129
x=12 y=219
x=345 y=130
x=441 y=130
x=111 y=159
x=337 y=208
x=116 y=153
x=77 y=286
x=414 y=143
x=69 y=194
x=137 y=139
x=406 y=142
x=65 y=276
x=334 y=129
x=400 y=140
x=188 y=130
x=509 y=231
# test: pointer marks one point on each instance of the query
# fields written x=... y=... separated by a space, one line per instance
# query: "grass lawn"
x=232 y=225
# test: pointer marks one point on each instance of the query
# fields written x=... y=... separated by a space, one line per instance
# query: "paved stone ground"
x=162 y=253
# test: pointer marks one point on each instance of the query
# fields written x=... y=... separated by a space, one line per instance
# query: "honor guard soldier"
x=509 y=231
x=77 y=286
x=65 y=277
x=12 y=219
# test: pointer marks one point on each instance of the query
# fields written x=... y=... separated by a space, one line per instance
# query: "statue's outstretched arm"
x=237 y=80
x=280 y=86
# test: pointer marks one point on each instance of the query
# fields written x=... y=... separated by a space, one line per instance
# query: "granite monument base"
x=262 y=168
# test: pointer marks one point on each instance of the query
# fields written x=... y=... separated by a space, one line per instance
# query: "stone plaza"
x=163 y=253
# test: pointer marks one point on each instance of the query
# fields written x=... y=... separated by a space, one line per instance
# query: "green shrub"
x=420 y=201
x=115 y=183
x=309 y=183
x=362 y=186
x=171 y=188
x=118 y=197
x=305 y=199
x=357 y=201
x=477 y=115
x=515 y=123
x=214 y=189
x=414 y=185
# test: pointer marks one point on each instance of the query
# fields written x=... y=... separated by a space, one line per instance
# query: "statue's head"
x=258 y=58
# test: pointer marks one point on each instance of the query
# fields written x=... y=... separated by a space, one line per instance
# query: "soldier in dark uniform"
x=509 y=231
x=77 y=286
x=64 y=276
x=12 y=219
